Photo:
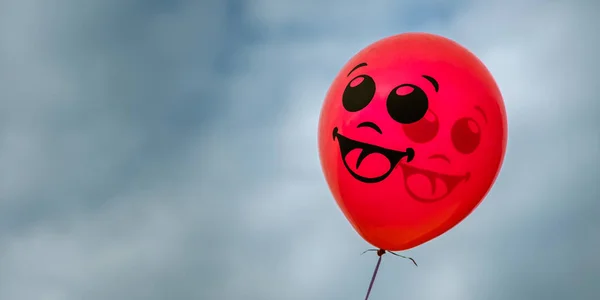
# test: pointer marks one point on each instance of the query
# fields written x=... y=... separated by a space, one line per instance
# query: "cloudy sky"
x=167 y=150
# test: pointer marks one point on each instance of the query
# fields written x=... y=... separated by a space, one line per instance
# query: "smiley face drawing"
x=412 y=135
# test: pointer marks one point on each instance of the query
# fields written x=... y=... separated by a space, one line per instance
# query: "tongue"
x=426 y=186
x=365 y=164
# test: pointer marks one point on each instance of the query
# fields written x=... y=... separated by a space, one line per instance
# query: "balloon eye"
x=423 y=130
x=466 y=135
x=407 y=104
x=358 y=93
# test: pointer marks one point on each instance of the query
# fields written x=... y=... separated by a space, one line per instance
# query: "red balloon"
x=412 y=135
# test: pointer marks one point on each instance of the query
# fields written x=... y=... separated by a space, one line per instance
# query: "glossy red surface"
x=458 y=143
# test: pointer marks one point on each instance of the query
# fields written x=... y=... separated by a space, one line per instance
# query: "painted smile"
x=354 y=154
x=429 y=186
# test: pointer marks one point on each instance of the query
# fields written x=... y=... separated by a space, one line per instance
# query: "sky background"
x=167 y=150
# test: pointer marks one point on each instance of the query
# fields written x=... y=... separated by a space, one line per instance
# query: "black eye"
x=358 y=93
x=407 y=104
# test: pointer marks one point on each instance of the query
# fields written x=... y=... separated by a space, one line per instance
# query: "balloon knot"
x=381 y=252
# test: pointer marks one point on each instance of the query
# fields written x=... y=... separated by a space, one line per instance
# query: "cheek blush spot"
x=423 y=130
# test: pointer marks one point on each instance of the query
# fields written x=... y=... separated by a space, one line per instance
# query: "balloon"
x=412 y=135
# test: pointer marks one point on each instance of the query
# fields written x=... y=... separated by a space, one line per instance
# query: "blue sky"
x=167 y=150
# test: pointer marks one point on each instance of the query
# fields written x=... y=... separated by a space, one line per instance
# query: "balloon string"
x=380 y=253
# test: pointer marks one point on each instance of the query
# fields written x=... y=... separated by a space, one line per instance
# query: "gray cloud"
x=168 y=151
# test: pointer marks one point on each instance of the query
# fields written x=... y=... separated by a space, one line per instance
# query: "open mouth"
x=429 y=186
x=369 y=163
